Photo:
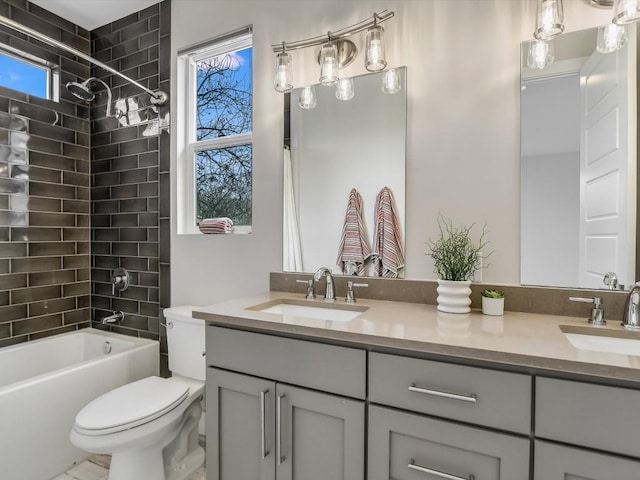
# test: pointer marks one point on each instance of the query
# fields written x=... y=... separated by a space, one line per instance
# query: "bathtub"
x=45 y=383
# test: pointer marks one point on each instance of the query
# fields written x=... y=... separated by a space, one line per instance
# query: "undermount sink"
x=604 y=343
x=318 y=311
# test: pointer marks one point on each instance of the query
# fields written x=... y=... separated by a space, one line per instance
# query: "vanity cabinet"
x=268 y=429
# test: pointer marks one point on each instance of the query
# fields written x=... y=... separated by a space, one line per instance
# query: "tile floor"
x=97 y=468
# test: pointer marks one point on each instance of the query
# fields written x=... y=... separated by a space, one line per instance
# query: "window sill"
x=237 y=230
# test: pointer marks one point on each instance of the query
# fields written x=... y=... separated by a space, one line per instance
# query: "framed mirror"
x=579 y=163
x=336 y=147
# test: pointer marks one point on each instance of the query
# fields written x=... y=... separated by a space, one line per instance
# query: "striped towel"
x=216 y=225
x=388 y=256
x=354 y=249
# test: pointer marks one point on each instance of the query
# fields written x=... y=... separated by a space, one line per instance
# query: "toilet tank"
x=186 y=342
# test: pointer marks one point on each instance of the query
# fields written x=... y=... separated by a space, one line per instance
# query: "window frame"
x=188 y=146
x=52 y=71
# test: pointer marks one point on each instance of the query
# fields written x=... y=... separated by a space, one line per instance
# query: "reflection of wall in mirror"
x=341 y=145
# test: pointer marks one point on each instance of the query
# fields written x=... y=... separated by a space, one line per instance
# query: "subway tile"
x=135 y=263
x=83 y=139
x=12 y=185
x=124 y=191
x=148 y=69
x=78 y=234
x=46 y=249
x=44 y=145
x=152 y=234
x=5 y=266
x=19 y=203
x=4 y=234
x=124 y=48
x=149 y=309
x=124 y=249
x=153 y=174
x=127 y=162
x=76 y=289
x=83 y=248
x=26 y=265
x=76 y=316
x=103 y=289
x=148 y=279
x=154 y=264
x=4 y=203
x=51 y=161
x=105 y=234
x=148 y=219
x=78 y=179
x=83 y=193
x=124 y=220
x=133 y=205
x=134 y=31
x=149 y=189
x=76 y=261
x=83 y=274
x=13 y=312
x=165 y=286
x=31 y=325
x=148 y=250
x=9 y=218
x=135 y=321
x=76 y=206
x=82 y=220
x=106 y=179
x=5 y=331
x=149 y=159
x=135 y=146
x=165 y=152
x=39 y=204
x=34 y=294
x=35 y=234
x=101 y=248
x=16 y=280
x=51 y=190
x=4 y=298
x=105 y=206
x=100 y=193
x=77 y=124
x=148 y=39
x=51 y=306
x=37 y=174
x=75 y=151
x=135 y=59
x=154 y=295
x=124 y=22
x=165 y=195
x=135 y=293
x=101 y=275
x=152 y=204
x=100 y=166
x=13 y=122
x=100 y=221
x=41 y=219
x=133 y=176
x=52 y=132
x=105 y=151
x=84 y=301
x=83 y=166
x=13 y=154
x=51 y=278
x=105 y=262
x=11 y=249
x=133 y=234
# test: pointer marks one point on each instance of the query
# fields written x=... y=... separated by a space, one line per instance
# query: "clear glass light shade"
x=307 y=99
x=283 y=81
x=549 y=19
x=611 y=37
x=329 y=64
x=391 y=81
x=344 y=89
x=540 y=54
x=375 y=57
x=626 y=11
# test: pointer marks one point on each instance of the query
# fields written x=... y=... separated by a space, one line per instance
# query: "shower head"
x=83 y=91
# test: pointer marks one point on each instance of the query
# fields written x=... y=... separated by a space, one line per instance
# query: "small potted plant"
x=492 y=302
x=456 y=258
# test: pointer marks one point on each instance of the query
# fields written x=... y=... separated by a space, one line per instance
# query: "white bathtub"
x=45 y=383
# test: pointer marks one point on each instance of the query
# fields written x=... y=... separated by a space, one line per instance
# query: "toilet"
x=150 y=427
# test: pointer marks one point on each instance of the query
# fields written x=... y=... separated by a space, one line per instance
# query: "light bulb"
x=344 y=89
x=307 y=99
x=540 y=54
x=626 y=11
x=391 y=82
x=375 y=55
x=611 y=37
x=283 y=81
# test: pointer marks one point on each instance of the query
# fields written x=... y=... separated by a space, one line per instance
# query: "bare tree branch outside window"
x=224 y=109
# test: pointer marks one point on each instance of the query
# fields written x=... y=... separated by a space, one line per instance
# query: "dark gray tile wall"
x=130 y=176
x=44 y=190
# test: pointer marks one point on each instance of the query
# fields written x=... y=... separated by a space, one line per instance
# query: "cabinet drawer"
x=410 y=446
x=557 y=462
x=470 y=394
x=591 y=415
x=329 y=368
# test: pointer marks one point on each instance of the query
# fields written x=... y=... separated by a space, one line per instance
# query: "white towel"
x=216 y=225
x=354 y=249
x=291 y=249
x=388 y=255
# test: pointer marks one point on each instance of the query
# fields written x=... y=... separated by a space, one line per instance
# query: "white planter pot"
x=454 y=297
x=492 y=306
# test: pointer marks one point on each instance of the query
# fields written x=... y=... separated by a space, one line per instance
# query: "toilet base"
x=131 y=464
x=186 y=466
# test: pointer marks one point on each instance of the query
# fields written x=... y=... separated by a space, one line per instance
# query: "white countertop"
x=521 y=339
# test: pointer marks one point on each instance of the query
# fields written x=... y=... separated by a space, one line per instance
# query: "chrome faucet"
x=330 y=293
x=631 y=315
x=113 y=318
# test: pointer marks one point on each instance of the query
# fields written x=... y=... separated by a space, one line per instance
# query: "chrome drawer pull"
x=263 y=415
x=281 y=458
x=413 y=466
x=437 y=393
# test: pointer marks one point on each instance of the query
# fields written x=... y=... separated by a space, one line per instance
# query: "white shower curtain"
x=291 y=253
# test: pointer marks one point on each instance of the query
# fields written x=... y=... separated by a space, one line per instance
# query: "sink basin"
x=600 y=343
x=318 y=311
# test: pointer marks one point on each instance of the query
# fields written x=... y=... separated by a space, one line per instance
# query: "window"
x=215 y=148
x=26 y=73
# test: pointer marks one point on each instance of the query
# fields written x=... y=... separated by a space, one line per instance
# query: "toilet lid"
x=132 y=404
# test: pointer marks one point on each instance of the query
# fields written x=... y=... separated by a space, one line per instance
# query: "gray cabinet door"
x=318 y=436
x=557 y=462
x=240 y=427
x=405 y=446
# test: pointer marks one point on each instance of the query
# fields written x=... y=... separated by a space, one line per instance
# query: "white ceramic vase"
x=454 y=297
x=492 y=306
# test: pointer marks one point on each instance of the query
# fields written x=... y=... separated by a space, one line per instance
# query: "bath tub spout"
x=113 y=318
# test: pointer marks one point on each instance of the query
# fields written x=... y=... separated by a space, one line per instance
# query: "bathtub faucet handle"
x=119 y=280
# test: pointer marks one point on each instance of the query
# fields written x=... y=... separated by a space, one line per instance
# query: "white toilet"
x=150 y=427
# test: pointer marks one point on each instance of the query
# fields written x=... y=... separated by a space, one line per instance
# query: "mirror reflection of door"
x=578 y=172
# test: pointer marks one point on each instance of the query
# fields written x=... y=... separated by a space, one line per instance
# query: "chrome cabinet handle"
x=281 y=458
x=263 y=416
x=437 y=393
x=437 y=473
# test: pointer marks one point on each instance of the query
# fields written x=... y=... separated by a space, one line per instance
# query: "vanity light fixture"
x=307 y=98
x=391 y=82
x=611 y=37
x=540 y=54
x=626 y=11
x=336 y=52
x=549 y=19
x=344 y=89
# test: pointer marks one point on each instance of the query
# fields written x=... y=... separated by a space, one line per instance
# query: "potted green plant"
x=492 y=302
x=456 y=258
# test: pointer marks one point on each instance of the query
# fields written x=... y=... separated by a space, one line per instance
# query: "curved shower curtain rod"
x=157 y=98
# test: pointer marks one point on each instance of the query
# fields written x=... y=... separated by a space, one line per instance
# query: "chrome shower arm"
x=95 y=79
x=157 y=98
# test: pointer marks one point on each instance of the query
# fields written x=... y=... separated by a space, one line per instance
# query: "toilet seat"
x=131 y=405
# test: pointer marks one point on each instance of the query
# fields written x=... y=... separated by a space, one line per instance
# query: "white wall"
x=463 y=140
